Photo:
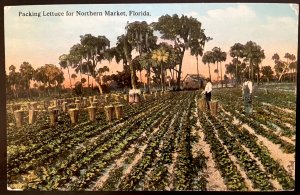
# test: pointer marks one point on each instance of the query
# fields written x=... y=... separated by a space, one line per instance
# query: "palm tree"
x=281 y=66
x=290 y=57
x=75 y=58
x=27 y=72
x=14 y=80
x=278 y=65
x=287 y=56
x=219 y=57
x=249 y=55
x=161 y=56
x=222 y=59
x=197 y=50
x=147 y=62
x=259 y=55
x=216 y=54
x=64 y=62
x=207 y=59
x=237 y=51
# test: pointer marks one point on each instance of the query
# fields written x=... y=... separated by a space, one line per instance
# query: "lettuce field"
x=163 y=143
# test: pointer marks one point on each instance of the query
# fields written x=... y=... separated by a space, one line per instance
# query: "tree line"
x=247 y=64
x=180 y=34
x=155 y=58
x=45 y=77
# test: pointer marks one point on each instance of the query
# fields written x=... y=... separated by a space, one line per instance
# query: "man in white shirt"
x=247 y=90
x=207 y=92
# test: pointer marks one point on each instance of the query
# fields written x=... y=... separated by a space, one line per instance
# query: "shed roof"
x=194 y=77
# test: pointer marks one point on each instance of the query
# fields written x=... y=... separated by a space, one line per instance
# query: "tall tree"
x=86 y=55
x=207 y=59
x=119 y=51
x=49 y=75
x=54 y=75
x=250 y=47
x=222 y=58
x=182 y=30
x=219 y=56
x=64 y=62
x=282 y=67
x=26 y=70
x=161 y=56
x=75 y=58
x=275 y=57
x=14 y=80
x=197 y=50
x=171 y=61
x=290 y=58
x=237 y=51
x=259 y=55
x=279 y=65
x=40 y=75
x=138 y=36
x=147 y=63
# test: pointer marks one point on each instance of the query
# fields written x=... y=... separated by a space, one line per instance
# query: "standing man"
x=247 y=90
x=207 y=92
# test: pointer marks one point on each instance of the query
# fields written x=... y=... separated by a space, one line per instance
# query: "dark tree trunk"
x=258 y=73
x=148 y=78
x=218 y=74
x=141 y=76
x=69 y=77
x=221 y=75
x=209 y=71
x=132 y=73
x=161 y=76
x=179 y=71
x=252 y=71
x=198 y=72
x=28 y=90
x=236 y=72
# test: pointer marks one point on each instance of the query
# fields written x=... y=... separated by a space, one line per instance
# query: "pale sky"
x=41 y=40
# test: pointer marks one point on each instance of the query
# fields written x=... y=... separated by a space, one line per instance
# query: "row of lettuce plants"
x=258 y=177
x=82 y=157
x=231 y=176
x=271 y=166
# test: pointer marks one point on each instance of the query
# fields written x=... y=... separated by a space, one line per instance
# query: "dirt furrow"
x=284 y=159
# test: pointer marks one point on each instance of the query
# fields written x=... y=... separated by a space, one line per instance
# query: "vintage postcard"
x=151 y=97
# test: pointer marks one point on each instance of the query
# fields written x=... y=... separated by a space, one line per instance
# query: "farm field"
x=164 y=143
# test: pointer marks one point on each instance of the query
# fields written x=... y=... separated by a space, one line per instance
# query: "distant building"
x=192 y=81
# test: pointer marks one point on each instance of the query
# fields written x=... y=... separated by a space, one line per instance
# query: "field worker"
x=247 y=90
x=207 y=92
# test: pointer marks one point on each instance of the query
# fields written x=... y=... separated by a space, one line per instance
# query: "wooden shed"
x=193 y=81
